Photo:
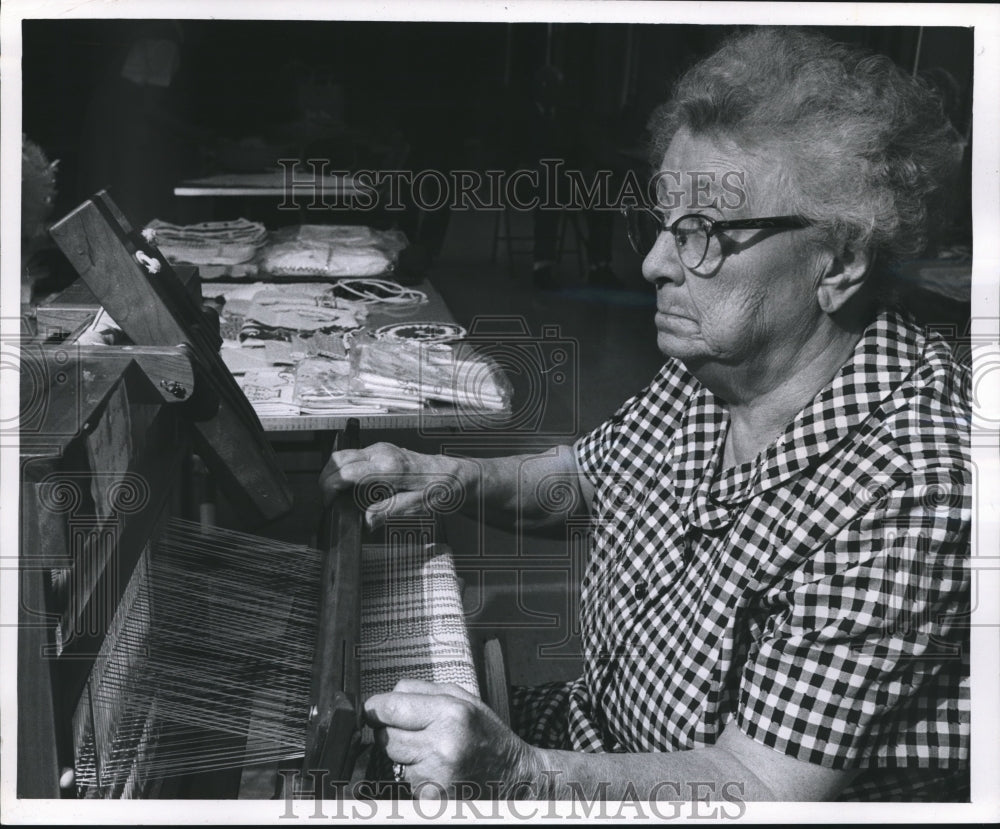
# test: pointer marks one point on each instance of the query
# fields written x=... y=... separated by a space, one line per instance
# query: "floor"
x=524 y=590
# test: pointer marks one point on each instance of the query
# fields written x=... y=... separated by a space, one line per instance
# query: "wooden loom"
x=106 y=441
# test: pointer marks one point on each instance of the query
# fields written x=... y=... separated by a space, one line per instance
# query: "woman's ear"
x=842 y=278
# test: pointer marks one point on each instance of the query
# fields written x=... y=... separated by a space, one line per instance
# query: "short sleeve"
x=863 y=661
x=592 y=449
x=660 y=401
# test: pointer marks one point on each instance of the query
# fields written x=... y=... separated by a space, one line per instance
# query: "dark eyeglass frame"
x=713 y=226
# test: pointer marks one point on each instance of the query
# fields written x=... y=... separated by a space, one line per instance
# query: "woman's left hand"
x=450 y=743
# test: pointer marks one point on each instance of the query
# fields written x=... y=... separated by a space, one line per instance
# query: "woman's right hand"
x=391 y=482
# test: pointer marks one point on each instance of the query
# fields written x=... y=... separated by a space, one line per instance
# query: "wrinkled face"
x=754 y=299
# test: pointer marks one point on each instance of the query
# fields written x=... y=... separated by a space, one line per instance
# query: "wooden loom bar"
x=154 y=309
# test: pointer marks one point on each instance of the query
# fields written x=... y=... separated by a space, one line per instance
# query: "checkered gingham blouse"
x=815 y=597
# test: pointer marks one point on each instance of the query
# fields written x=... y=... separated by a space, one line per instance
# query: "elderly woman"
x=776 y=592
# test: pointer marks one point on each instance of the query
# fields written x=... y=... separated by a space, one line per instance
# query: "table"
x=71 y=311
x=433 y=420
x=274 y=195
x=298 y=182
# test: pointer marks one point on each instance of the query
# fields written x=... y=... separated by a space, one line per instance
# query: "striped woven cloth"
x=412 y=622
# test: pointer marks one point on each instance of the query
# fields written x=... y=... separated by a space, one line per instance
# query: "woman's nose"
x=662 y=263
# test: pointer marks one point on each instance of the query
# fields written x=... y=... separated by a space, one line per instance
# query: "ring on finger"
x=398 y=772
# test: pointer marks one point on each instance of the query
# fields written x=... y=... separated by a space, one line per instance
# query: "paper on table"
x=423 y=373
x=320 y=382
x=321 y=387
x=241 y=360
x=271 y=391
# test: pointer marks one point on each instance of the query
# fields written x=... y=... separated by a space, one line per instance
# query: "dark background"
x=447 y=87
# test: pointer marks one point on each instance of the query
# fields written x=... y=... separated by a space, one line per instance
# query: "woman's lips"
x=676 y=325
x=671 y=315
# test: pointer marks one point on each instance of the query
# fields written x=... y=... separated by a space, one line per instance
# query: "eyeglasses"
x=693 y=233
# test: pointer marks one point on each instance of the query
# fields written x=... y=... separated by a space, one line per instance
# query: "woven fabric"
x=412 y=621
x=814 y=597
x=209 y=243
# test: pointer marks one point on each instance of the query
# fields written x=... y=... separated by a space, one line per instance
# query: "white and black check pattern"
x=814 y=597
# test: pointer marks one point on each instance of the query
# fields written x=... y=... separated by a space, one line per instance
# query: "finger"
x=409 y=712
x=345 y=468
x=413 y=685
x=397 y=505
x=407 y=747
